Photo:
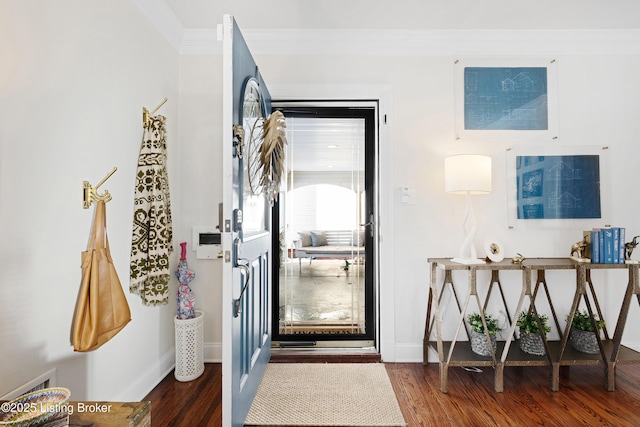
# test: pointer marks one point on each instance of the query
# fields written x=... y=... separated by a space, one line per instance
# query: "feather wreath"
x=267 y=156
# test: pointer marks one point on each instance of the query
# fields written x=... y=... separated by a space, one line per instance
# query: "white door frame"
x=385 y=313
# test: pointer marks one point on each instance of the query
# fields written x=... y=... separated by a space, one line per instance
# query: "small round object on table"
x=494 y=250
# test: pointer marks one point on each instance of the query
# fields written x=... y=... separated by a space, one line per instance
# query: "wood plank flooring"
x=471 y=401
x=196 y=403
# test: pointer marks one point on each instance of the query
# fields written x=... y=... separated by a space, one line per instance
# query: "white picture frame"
x=514 y=220
x=506 y=99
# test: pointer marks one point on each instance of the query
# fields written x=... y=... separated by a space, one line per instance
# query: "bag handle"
x=98 y=239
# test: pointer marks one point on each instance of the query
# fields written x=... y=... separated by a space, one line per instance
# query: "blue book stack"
x=607 y=245
x=595 y=245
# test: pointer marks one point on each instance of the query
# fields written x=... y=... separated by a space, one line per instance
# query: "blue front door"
x=246 y=295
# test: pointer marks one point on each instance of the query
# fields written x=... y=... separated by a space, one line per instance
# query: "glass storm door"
x=324 y=280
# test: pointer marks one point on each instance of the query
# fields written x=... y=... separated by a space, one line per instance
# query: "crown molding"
x=421 y=42
x=398 y=42
x=163 y=19
x=201 y=42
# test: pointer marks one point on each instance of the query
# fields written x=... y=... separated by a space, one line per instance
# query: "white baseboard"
x=404 y=353
x=213 y=352
x=147 y=381
x=408 y=353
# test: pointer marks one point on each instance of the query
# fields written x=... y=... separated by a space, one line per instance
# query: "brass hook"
x=146 y=114
x=90 y=194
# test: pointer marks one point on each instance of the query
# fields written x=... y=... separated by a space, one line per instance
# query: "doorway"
x=324 y=268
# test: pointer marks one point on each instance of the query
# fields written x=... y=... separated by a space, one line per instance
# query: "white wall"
x=596 y=108
x=74 y=76
x=201 y=182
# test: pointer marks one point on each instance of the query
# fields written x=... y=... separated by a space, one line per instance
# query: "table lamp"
x=468 y=174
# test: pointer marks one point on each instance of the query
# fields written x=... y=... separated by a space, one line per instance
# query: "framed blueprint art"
x=561 y=184
x=506 y=99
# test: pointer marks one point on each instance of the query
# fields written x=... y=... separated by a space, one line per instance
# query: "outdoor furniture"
x=333 y=244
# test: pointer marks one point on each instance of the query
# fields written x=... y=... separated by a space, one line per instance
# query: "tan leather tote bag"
x=102 y=309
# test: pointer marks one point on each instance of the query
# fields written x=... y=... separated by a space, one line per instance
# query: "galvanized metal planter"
x=531 y=343
x=584 y=341
x=479 y=343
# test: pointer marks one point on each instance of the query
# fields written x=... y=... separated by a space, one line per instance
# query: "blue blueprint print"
x=552 y=187
x=505 y=98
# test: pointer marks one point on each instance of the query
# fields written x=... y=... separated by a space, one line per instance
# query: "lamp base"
x=469 y=261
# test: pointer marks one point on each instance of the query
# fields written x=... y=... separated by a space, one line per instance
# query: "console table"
x=458 y=353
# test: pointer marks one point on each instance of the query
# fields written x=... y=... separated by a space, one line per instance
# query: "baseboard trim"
x=408 y=353
x=149 y=379
x=213 y=352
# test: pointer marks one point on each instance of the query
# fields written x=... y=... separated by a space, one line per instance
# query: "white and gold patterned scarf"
x=151 y=242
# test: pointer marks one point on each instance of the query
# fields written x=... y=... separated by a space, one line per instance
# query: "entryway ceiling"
x=403 y=27
x=409 y=14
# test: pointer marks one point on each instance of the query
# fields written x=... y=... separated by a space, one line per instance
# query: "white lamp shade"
x=467 y=173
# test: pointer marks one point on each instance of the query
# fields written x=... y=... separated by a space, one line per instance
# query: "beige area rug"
x=325 y=394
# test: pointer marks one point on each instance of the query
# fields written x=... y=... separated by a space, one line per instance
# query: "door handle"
x=370 y=224
x=237 y=304
x=242 y=264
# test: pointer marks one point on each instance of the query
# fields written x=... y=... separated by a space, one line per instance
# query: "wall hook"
x=90 y=194
x=146 y=114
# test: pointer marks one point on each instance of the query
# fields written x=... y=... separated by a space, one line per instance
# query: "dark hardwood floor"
x=190 y=404
x=471 y=401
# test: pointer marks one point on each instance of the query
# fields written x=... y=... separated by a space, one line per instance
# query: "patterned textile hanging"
x=151 y=242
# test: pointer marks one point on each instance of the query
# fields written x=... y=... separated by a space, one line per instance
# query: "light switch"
x=406 y=196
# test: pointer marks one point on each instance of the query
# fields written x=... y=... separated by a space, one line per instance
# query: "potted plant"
x=530 y=334
x=478 y=339
x=583 y=335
